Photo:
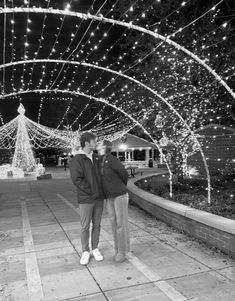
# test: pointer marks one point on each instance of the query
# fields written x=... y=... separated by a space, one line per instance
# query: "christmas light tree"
x=23 y=156
x=23 y=135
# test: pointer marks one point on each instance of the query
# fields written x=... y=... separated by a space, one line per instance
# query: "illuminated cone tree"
x=23 y=155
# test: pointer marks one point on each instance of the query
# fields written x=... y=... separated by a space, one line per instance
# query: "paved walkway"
x=40 y=251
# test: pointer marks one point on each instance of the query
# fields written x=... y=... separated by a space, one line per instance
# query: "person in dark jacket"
x=65 y=162
x=85 y=174
x=114 y=180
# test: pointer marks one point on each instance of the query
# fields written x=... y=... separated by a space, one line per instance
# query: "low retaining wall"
x=214 y=230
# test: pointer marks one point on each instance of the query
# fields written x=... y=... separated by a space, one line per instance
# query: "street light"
x=123 y=146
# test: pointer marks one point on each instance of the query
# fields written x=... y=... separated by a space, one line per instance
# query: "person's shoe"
x=120 y=257
x=85 y=258
x=97 y=255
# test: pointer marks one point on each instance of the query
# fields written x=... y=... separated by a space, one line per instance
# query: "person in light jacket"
x=85 y=170
x=114 y=180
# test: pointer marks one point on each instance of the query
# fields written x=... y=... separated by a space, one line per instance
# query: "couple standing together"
x=98 y=177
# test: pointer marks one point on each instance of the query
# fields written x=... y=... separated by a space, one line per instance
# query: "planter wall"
x=212 y=229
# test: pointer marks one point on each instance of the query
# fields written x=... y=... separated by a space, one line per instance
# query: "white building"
x=134 y=149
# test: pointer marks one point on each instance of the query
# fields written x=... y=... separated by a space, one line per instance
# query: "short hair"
x=86 y=137
x=109 y=145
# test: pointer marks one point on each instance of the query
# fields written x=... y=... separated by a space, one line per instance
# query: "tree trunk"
x=178 y=165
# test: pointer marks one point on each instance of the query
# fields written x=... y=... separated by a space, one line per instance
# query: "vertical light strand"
x=39 y=46
x=26 y=44
x=12 y=47
x=1 y=119
x=40 y=109
x=53 y=48
x=4 y=49
x=65 y=113
x=52 y=81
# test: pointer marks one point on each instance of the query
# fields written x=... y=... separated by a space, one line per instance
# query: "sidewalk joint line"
x=35 y=291
x=173 y=247
x=166 y=288
x=73 y=245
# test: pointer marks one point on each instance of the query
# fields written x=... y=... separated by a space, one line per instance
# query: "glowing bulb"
x=67 y=7
x=123 y=146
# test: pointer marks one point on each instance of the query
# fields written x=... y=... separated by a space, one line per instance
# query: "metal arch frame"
x=102 y=100
x=131 y=79
x=101 y=18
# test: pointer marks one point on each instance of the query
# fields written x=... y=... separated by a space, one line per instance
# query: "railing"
x=139 y=164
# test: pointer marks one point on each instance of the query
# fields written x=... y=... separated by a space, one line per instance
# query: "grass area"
x=193 y=192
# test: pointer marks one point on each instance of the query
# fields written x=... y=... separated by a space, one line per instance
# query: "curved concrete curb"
x=213 y=229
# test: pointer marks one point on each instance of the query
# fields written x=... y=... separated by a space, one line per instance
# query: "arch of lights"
x=102 y=100
x=22 y=133
x=131 y=26
x=136 y=122
x=119 y=73
x=101 y=18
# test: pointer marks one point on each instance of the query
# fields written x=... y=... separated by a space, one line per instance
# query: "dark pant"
x=90 y=213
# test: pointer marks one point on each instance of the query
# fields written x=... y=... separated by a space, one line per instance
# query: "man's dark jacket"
x=86 y=177
x=114 y=176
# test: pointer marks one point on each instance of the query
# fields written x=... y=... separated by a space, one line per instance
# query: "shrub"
x=228 y=173
x=192 y=192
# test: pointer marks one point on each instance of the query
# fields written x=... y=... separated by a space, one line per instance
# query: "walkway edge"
x=213 y=229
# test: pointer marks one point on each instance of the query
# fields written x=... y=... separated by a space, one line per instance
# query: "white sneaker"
x=85 y=258
x=97 y=255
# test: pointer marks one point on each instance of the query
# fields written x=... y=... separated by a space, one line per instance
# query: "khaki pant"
x=118 y=213
x=90 y=213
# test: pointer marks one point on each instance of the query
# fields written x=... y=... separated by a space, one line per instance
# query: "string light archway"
x=107 y=103
x=136 y=122
x=102 y=19
x=130 y=25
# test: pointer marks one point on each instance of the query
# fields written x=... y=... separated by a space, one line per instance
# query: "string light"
x=128 y=97
x=23 y=156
